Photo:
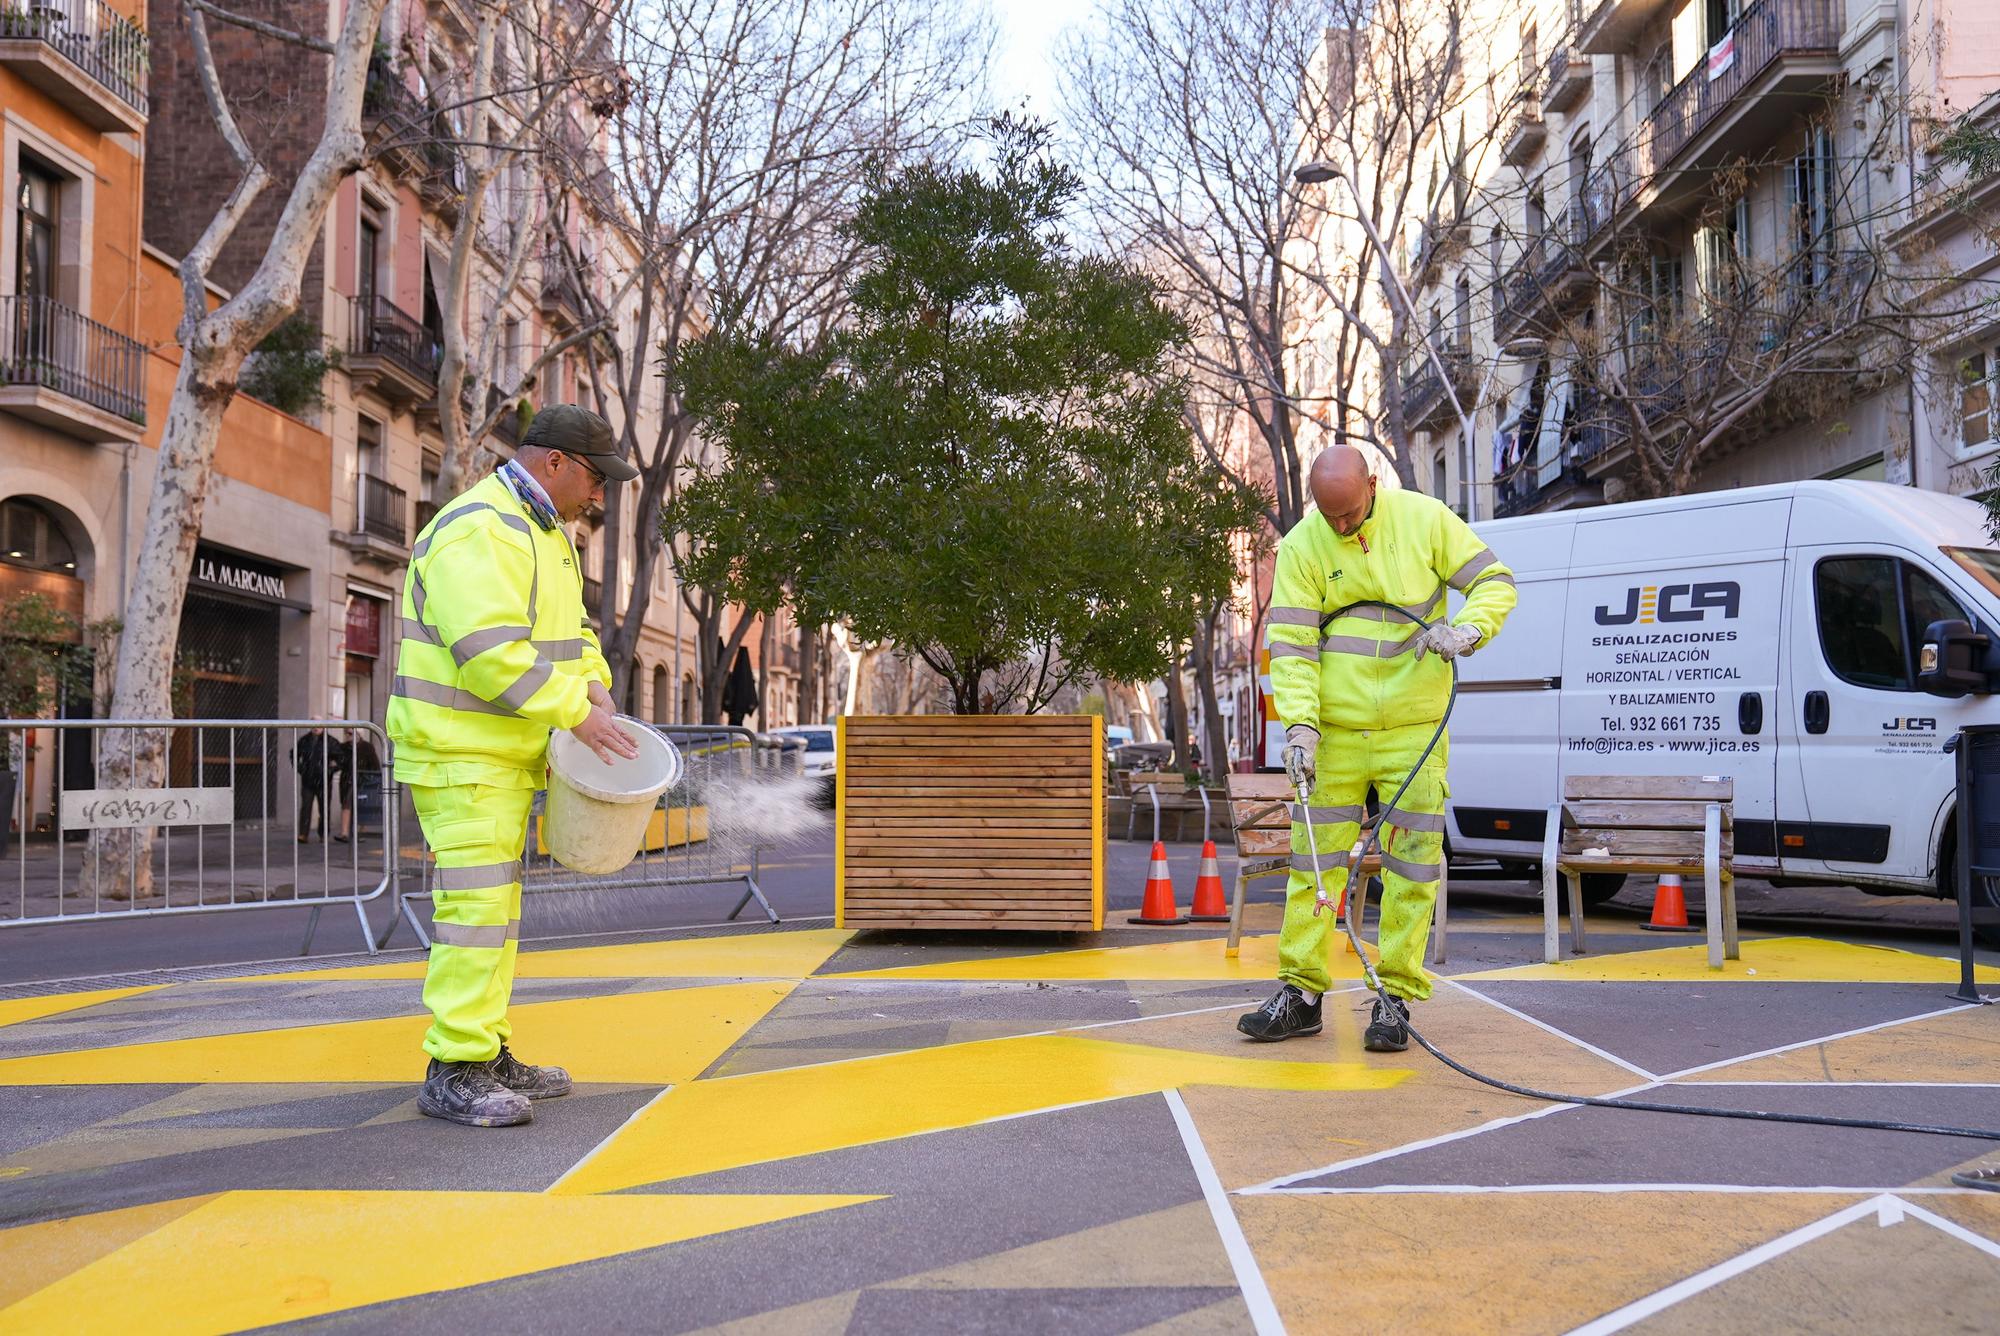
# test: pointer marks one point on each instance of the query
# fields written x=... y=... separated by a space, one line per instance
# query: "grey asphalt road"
x=799 y=884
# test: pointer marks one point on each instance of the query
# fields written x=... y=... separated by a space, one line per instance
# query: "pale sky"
x=1024 y=60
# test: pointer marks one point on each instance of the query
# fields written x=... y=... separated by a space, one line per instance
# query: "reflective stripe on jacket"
x=1363 y=672
x=496 y=651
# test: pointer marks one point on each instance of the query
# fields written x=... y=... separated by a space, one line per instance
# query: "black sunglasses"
x=587 y=466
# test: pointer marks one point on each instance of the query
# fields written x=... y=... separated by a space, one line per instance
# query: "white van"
x=1774 y=634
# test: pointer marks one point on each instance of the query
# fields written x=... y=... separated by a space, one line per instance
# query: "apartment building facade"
x=1685 y=252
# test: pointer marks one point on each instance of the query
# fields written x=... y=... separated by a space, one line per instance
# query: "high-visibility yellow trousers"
x=477 y=833
x=1350 y=764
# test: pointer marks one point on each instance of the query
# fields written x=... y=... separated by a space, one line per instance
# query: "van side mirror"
x=1948 y=660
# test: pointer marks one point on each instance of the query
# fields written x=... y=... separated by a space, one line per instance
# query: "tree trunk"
x=809 y=676
x=1177 y=712
x=1214 y=745
x=767 y=653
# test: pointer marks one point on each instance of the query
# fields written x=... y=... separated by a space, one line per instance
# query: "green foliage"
x=290 y=365
x=44 y=654
x=988 y=466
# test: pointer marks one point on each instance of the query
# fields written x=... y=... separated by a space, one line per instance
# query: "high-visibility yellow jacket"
x=496 y=650
x=1362 y=672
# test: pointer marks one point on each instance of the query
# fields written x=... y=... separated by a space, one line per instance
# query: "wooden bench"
x=1642 y=823
x=1167 y=791
x=1260 y=818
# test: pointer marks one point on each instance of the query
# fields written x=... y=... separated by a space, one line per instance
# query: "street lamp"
x=1317 y=172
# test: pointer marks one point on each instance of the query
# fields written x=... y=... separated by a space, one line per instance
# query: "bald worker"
x=1360 y=693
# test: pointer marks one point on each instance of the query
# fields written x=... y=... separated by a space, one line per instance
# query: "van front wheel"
x=1985 y=890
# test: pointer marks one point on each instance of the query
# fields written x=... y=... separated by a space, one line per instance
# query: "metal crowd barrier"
x=225 y=828
x=678 y=850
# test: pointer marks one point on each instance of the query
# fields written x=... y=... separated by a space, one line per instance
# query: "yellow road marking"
x=1773 y=960
x=651 y=1038
x=775 y=955
x=723 y=1124
x=35 y=1008
x=252 y=1259
x=1198 y=958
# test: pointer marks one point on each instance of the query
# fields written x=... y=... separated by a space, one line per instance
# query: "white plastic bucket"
x=597 y=814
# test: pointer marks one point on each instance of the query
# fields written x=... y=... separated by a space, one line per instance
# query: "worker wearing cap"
x=1361 y=696
x=496 y=652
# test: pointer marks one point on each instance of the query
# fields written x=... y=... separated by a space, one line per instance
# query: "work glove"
x=1447 y=641
x=1301 y=746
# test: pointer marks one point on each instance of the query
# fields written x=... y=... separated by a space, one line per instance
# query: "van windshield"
x=1983 y=563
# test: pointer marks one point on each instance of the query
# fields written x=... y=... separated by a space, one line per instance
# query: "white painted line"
x=1621 y=1318
x=1287 y=1179
x=1953 y=1228
x=1882 y=1085
x=1583 y=1044
x=613 y=1136
x=1442 y=1139
x=1263 y=1313
x=1531 y=1189
x=1822 y=1039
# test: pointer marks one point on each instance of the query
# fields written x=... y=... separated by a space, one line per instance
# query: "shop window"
x=1871 y=610
x=29 y=536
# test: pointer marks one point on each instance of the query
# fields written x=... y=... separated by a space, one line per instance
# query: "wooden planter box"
x=970 y=821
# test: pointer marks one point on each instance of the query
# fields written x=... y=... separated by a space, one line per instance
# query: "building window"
x=1657 y=79
x=687 y=698
x=1721 y=16
x=1809 y=189
x=663 y=695
x=368 y=452
x=1977 y=377
x=1530 y=63
x=35 y=232
x=368 y=255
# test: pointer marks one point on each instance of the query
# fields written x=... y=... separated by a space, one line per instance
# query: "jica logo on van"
x=1647 y=604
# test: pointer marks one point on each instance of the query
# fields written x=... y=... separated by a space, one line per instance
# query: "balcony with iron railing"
x=1555 y=479
x=395 y=120
x=84 y=55
x=391 y=353
x=1425 y=403
x=1549 y=275
x=1746 y=93
x=66 y=371
x=1777 y=51
x=1566 y=79
x=1612 y=26
x=1526 y=134
x=382 y=510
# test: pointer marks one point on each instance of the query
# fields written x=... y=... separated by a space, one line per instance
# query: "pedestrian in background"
x=310 y=760
x=496 y=653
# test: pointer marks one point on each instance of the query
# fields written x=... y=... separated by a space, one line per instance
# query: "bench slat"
x=1260 y=786
x=1637 y=863
x=1704 y=788
x=1628 y=813
x=1654 y=843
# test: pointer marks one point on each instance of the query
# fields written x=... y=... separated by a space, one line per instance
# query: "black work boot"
x=523 y=1079
x=1286 y=1015
x=1389 y=1028
x=469 y=1093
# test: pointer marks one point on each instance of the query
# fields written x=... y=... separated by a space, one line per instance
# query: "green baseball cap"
x=577 y=431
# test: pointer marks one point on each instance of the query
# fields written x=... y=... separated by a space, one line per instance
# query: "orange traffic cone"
x=1670 y=911
x=1211 y=905
x=1158 y=907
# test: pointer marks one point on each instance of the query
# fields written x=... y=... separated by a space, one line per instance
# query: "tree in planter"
x=989 y=467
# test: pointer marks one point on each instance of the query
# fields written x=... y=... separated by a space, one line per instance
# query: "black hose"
x=1371 y=840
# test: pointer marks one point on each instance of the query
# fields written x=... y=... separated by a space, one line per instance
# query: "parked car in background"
x=822 y=755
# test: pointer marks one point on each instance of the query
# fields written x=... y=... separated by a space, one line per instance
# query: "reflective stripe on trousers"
x=1350 y=764
x=477 y=834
